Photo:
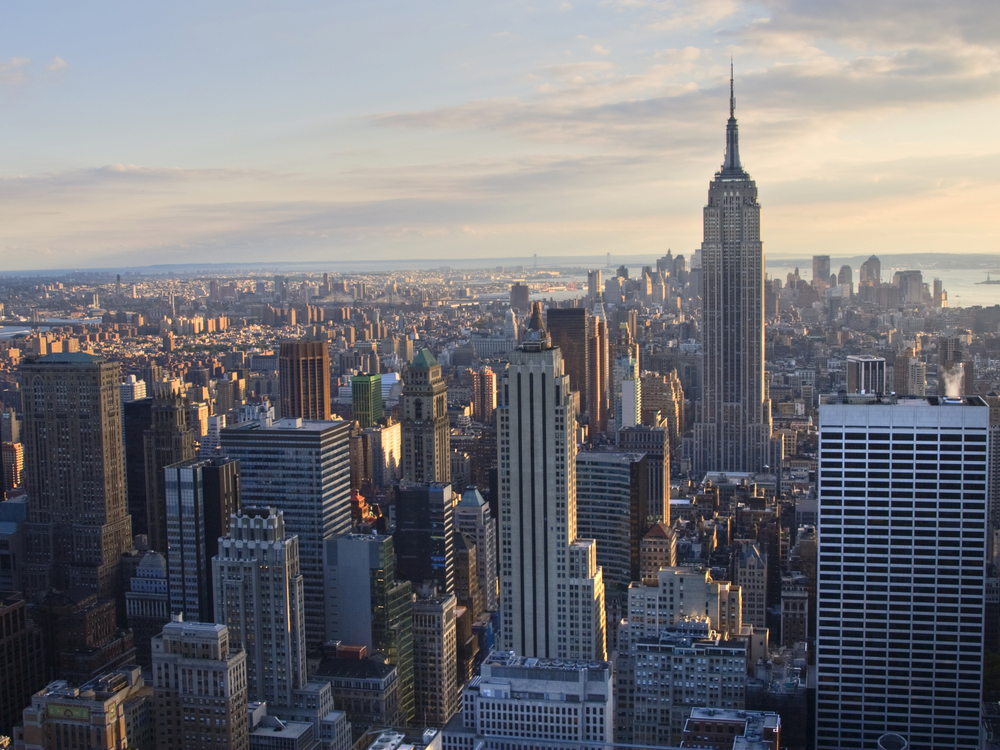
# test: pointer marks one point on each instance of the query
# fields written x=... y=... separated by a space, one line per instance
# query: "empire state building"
x=733 y=433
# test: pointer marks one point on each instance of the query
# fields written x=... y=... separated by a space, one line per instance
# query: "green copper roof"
x=472 y=498
x=424 y=358
x=70 y=358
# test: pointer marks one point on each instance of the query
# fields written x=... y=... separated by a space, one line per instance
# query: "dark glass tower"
x=169 y=440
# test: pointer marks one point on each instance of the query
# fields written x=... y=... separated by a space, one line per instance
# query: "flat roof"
x=74 y=358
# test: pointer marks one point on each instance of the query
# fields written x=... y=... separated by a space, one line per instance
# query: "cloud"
x=888 y=23
x=678 y=15
x=56 y=65
x=14 y=71
x=600 y=49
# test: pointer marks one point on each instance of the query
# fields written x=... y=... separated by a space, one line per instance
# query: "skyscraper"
x=568 y=330
x=367 y=606
x=552 y=590
x=138 y=417
x=426 y=448
x=78 y=525
x=472 y=518
x=865 y=374
x=201 y=496
x=259 y=596
x=613 y=508
x=519 y=294
x=435 y=685
x=424 y=536
x=168 y=440
x=207 y=713
x=22 y=670
x=303 y=468
x=626 y=386
x=821 y=272
x=366 y=399
x=734 y=431
x=902 y=553
x=304 y=379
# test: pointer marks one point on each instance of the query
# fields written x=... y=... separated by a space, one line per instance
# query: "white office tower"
x=259 y=595
x=522 y=704
x=132 y=389
x=552 y=591
x=212 y=439
x=902 y=551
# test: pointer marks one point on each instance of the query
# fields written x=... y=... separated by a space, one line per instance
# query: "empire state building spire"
x=733 y=432
x=732 y=167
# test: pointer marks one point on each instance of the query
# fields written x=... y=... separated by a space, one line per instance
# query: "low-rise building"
x=519 y=703
x=687 y=665
x=96 y=716
x=367 y=690
x=732 y=729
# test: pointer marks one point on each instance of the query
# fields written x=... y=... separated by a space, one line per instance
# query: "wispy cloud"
x=14 y=70
x=56 y=65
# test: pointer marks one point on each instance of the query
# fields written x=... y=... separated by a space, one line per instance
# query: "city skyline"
x=185 y=133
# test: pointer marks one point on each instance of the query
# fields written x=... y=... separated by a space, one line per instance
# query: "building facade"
x=304 y=380
x=613 y=509
x=95 y=716
x=200 y=688
x=734 y=429
x=168 y=440
x=259 y=594
x=425 y=430
x=366 y=399
x=552 y=590
x=435 y=673
x=902 y=481
x=78 y=525
x=367 y=606
x=303 y=468
x=518 y=703
x=684 y=666
x=22 y=668
x=473 y=518
x=201 y=496
x=424 y=535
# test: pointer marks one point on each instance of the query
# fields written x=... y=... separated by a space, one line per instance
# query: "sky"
x=145 y=133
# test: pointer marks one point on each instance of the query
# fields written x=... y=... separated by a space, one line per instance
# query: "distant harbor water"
x=959 y=283
x=10 y=331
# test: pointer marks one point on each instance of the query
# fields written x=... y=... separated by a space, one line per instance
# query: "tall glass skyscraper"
x=734 y=430
x=902 y=556
x=301 y=467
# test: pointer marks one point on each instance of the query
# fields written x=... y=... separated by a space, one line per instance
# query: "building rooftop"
x=424 y=358
x=610 y=457
x=471 y=498
x=288 y=423
x=70 y=358
x=510 y=659
x=371 y=668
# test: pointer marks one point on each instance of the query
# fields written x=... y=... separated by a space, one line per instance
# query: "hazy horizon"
x=317 y=132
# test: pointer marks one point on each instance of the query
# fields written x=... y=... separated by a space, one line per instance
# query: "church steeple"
x=732 y=166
